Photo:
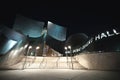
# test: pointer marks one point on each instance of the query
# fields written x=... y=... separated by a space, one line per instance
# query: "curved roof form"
x=111 y=44
x=55 y=44
x=28 y=26
x=108 y=41
x=56 y=31
x=77 y=40
x=11 y=34
x=6 y=44
x=9 y=38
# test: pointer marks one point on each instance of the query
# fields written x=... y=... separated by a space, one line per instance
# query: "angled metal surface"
x=28 y=26
x=57 y=32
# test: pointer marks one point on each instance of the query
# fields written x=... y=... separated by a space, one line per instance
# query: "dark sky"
x=76 y=17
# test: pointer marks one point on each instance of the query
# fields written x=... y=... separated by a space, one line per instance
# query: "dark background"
x=89 y=17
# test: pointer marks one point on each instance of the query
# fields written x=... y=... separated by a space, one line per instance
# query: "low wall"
x=100 y=61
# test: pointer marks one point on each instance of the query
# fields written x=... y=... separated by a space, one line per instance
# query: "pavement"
x=58 y=74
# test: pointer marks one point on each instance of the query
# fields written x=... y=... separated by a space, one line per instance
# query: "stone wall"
x=100 y=61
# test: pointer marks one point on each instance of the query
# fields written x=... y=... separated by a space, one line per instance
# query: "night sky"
x=76 y=17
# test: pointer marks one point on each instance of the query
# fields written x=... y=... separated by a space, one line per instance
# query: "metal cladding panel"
x=78 y=39
x=9 y=38
x=28 y=26
x=11 y=34
x=55 y=44
x=56 y=31
x=111 y=44
x=7 y=46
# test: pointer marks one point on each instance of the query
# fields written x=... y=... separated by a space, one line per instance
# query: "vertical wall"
x=100 y=61
x=14 y=54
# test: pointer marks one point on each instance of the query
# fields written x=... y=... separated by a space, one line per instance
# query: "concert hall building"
x=33 y=44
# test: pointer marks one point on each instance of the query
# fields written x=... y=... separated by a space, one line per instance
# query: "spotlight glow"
x=69 y=47
x=25 y=46
x=65 y=48
x=30 y=47
x=37 y=47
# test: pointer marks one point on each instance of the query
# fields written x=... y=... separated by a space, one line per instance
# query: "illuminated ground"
x=58 y=74
x=47 y=63
x=52 y=63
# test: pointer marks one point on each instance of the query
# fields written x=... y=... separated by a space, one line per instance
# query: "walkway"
x=58 y=74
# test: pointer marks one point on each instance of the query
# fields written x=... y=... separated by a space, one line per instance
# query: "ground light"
x=30 y=47
x=68 y=50
x=69 y=47
x=58 y=74
x=37 y=47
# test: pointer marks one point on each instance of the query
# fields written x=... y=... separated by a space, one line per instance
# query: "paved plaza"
x=58 y=74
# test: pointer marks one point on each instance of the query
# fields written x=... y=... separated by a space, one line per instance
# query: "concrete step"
x=47 y=63
x=52 y=63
